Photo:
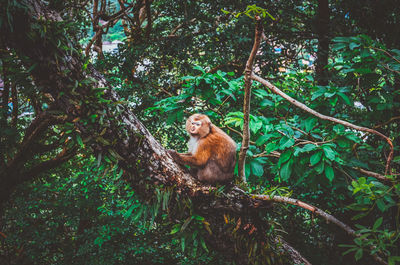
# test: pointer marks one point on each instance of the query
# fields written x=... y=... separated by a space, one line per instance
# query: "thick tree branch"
x=300 y=105
x=247 y=96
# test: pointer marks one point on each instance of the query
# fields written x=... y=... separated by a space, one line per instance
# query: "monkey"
x=211 y=151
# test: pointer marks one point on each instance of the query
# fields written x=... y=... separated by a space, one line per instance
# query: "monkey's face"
x=198 y=125
x=194 y=127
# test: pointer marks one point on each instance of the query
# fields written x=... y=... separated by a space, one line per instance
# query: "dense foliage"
x=180 y=57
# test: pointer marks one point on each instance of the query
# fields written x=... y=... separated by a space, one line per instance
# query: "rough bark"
x=117 y=132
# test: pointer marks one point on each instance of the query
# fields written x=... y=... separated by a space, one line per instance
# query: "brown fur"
x=215 y=155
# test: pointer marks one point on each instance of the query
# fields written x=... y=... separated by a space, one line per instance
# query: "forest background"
x=82 y=181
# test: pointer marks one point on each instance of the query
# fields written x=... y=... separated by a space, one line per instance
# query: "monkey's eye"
x=197 y=123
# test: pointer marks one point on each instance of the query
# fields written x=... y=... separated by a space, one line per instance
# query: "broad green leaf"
x=286 y=170
x=329 y=172
x=310 y=123
x=256 y=168
x=272 y=146
x=266 y=102
x=315 y=158
x=285 y=142
x=354 y=45
x=329 y=153
x=320 y=167
x=285 y=156
x=309 y=147
x=345 y=98
x=263 y=139
x=339 y=46
x=255 y=126
x=377 y=223
x=381 y=205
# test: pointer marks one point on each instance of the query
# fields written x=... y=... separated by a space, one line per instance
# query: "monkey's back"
x=223 y=149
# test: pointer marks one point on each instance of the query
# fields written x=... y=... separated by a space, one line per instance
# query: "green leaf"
x=203 y=244
x=310 y=123
x=266 y=102
x=329 y=153
x=262 y=139
x=285 y=142
x=286 y=170
x=308 y=147
x=197 y=67
x=256 y=168
x=183 y=244
x=285 y=156
x=176 y=229
x=329 y=172
x=354 y=45
x=79 y=140
x=345 y=98
x=381 y=205
x=272 y=146
x=339 y=46
x=315 y=158
x=359 y=254
x=255 y=126
x=171 y=118
x=320 y=167
x=377 y=223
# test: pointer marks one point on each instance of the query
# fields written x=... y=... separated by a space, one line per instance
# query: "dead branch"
x=247 y=96
x=328 y=118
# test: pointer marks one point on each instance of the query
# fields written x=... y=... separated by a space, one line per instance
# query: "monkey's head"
x=198 y=125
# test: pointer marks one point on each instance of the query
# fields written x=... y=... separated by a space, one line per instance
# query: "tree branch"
x=317 y=211
x=247 y=96
x=62 y=157
x=38 y=126
x=374 y=175
x=300 y=105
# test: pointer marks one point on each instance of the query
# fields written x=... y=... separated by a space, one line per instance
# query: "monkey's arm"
x=198 y=159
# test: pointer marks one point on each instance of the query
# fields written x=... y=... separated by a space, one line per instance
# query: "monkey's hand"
x=174 y=155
